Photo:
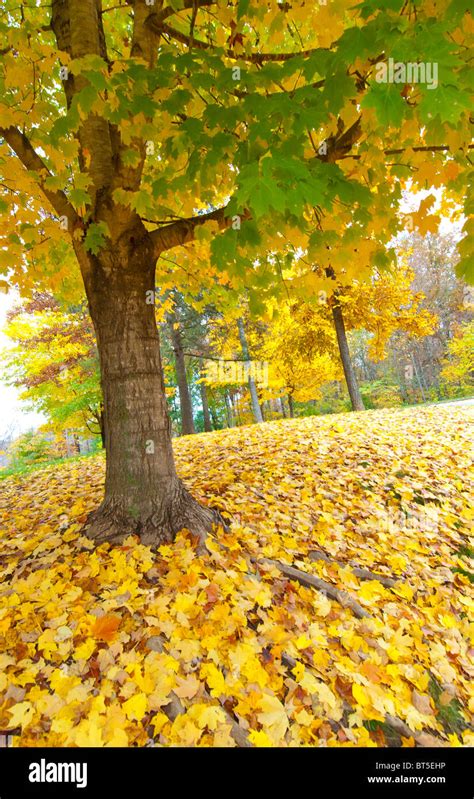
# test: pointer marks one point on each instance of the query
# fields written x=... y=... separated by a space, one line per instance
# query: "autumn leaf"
x=105 y=628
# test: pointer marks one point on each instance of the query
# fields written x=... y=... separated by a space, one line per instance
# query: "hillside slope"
x=125 y=646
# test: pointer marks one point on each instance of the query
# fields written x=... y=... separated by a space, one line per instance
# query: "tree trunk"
x=349 y=373
x=185 y=404
x=228 y=410
x=143 y=494
x=291 y=406
x=257 y=411
x=205 y=408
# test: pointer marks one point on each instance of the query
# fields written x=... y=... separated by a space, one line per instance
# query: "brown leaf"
x=422 y=703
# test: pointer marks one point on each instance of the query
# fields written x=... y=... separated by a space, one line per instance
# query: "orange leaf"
x=105 y=628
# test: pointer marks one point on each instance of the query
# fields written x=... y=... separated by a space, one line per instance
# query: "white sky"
x=14 y=417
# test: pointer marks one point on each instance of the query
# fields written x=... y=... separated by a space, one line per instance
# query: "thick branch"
x=77 y=26
x=253 y=58
x=168 y=11
x=22 y=147
x=182 y=232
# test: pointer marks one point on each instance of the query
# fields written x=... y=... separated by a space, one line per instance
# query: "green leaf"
x=465 y=269
x=95 y=237
x=446 y=103
x=242 y=8
x=79 y=197
x=388 y=103
x=86 y=98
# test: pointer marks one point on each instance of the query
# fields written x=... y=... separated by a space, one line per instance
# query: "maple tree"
x=129 y=130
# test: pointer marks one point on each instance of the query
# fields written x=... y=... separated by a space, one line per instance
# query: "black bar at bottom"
x=43 y=772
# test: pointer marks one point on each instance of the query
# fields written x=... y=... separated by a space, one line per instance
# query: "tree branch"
x=428 y=148
x=168 y=11
x=22 y=147
x=253 y=58
x=182 y=232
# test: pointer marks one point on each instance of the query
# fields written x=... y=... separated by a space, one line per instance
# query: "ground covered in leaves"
x=125 y=646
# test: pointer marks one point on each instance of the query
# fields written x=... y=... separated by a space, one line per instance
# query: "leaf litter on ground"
x=129 y=646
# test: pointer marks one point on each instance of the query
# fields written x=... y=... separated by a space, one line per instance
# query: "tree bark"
x=205 y=408
x=257 y=411
x=143 y=494
x=102 y=426
x=291 y=406
x=228 y=410
x=185 y=404
x=349 y=373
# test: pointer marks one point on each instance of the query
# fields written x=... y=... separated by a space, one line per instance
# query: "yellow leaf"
x=360 y=695
x=188 y=687
x=135 y=707
x=85 y=650
x=158 y=722
x=21 y=714
x=259 y=738
x=214 y=679
x=273 y=717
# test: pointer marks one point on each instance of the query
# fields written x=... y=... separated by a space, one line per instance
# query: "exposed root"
x=156 y=522
x=361 y=573
x=175 y=707
x=421 y=738
x=344 y=599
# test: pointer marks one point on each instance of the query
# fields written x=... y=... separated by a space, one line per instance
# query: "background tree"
x=174 y=322
x=458 y=367
x=54 y=361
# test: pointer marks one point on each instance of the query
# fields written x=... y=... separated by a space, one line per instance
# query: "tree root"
x=361 y=573
x=310 y=580
x=175 y=707
x=422 y=739
x=156 y=522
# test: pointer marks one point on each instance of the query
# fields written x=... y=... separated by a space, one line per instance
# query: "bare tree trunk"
x=205 y=408
x=143 y=494
x=228 y=410
x=185 y=403
x=349 y=373
x=291 y=406
x=257 y=411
